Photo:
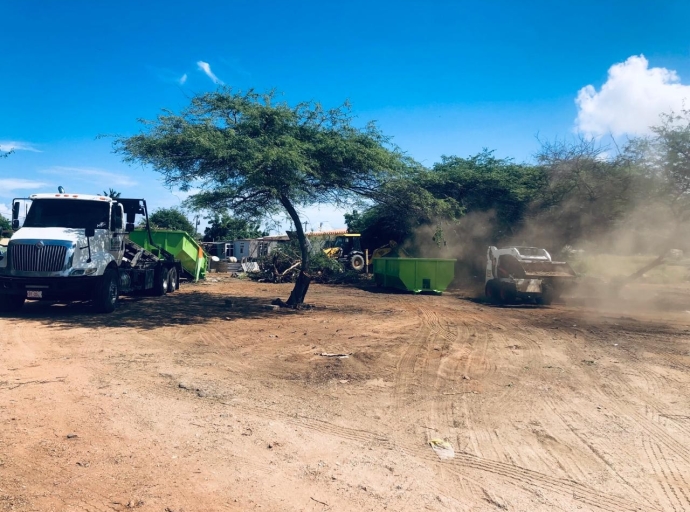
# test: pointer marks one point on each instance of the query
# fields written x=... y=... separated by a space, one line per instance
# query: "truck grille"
x=30 y=258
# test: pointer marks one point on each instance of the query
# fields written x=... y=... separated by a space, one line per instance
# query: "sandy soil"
x=185 y=404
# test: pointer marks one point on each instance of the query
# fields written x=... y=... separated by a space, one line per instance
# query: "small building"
x=246 y=248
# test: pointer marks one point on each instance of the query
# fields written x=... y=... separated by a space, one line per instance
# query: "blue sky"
x=441 y=77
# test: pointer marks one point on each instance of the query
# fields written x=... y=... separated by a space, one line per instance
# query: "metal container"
x=414 y=274
x=178 y=243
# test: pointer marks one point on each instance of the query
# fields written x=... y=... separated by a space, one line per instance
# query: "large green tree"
x=225 y=227
x=171 y=218
x=255 y=157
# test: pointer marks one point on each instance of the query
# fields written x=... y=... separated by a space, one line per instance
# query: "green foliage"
x=248 y=153
x=432 y=201
x=170 y=218
x=112 y=193
x=5 y=224
x=224 y=227
x=484 y=183
x=254 y=156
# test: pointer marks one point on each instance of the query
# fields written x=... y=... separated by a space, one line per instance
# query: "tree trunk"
x=302 y=284
x=659 y=260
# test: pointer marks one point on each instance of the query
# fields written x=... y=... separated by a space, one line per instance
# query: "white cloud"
x=631 y=100
x=98 y=177
x=206 y=68
x=15 y=145
x=183 y=79
x=10 y=185
x=5 y=211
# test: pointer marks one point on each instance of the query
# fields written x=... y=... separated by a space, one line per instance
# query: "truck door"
x=117 y=232
x=20 y=208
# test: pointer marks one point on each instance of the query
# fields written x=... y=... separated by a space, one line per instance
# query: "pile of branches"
x=283 y=266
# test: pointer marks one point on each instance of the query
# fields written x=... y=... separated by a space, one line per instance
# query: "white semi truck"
x=75 y=247
x=525 y=274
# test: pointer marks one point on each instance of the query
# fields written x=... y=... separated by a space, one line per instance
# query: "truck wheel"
x=160 y=282
x=11 y=303
x=173 y=280
x=357 y=262
x=106 y=293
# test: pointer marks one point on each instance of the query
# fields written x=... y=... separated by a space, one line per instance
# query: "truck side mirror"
x=90 y=231
x=129 y=227
x=15 y=215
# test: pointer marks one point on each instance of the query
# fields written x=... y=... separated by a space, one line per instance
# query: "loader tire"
x=106 y=293
x=492 y=293
x=547 y=295
x=357 y=262
x=508 y=294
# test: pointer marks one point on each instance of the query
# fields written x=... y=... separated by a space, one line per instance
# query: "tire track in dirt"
x=619 y=402
x=523 y=478
x=626 y=415
x=529 y=342
x=667 y=493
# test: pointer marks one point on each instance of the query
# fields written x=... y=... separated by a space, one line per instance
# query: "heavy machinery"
x=75 y=247
x=347 y=249
x=390 y=250
x=525 y=274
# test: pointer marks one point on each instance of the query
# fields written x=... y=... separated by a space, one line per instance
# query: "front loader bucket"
x=544 y=269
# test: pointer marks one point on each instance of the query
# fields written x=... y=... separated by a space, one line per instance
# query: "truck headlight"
x=83 y=271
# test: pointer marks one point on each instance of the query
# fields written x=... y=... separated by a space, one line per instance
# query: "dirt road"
x=186 y=404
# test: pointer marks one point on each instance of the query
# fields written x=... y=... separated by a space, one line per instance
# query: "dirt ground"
x=187 y=404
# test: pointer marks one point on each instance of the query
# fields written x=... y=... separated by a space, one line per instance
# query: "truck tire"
x=173 y=280
x=11 y=303
x=357 y=262
x=160 y=281
x=106 y=293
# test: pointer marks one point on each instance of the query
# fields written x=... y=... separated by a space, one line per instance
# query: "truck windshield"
x=67 y=213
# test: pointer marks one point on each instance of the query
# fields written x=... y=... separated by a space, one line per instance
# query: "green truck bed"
x=178 y=243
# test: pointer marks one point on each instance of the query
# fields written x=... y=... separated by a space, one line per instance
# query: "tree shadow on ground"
x=483 y=301
x=372 y=288
x=141 y=312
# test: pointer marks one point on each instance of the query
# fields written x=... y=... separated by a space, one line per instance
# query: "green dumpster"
x=178 y=243
x=414 y=274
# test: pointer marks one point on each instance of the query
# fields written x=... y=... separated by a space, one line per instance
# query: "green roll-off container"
x=414 y=274
x=178 y=243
